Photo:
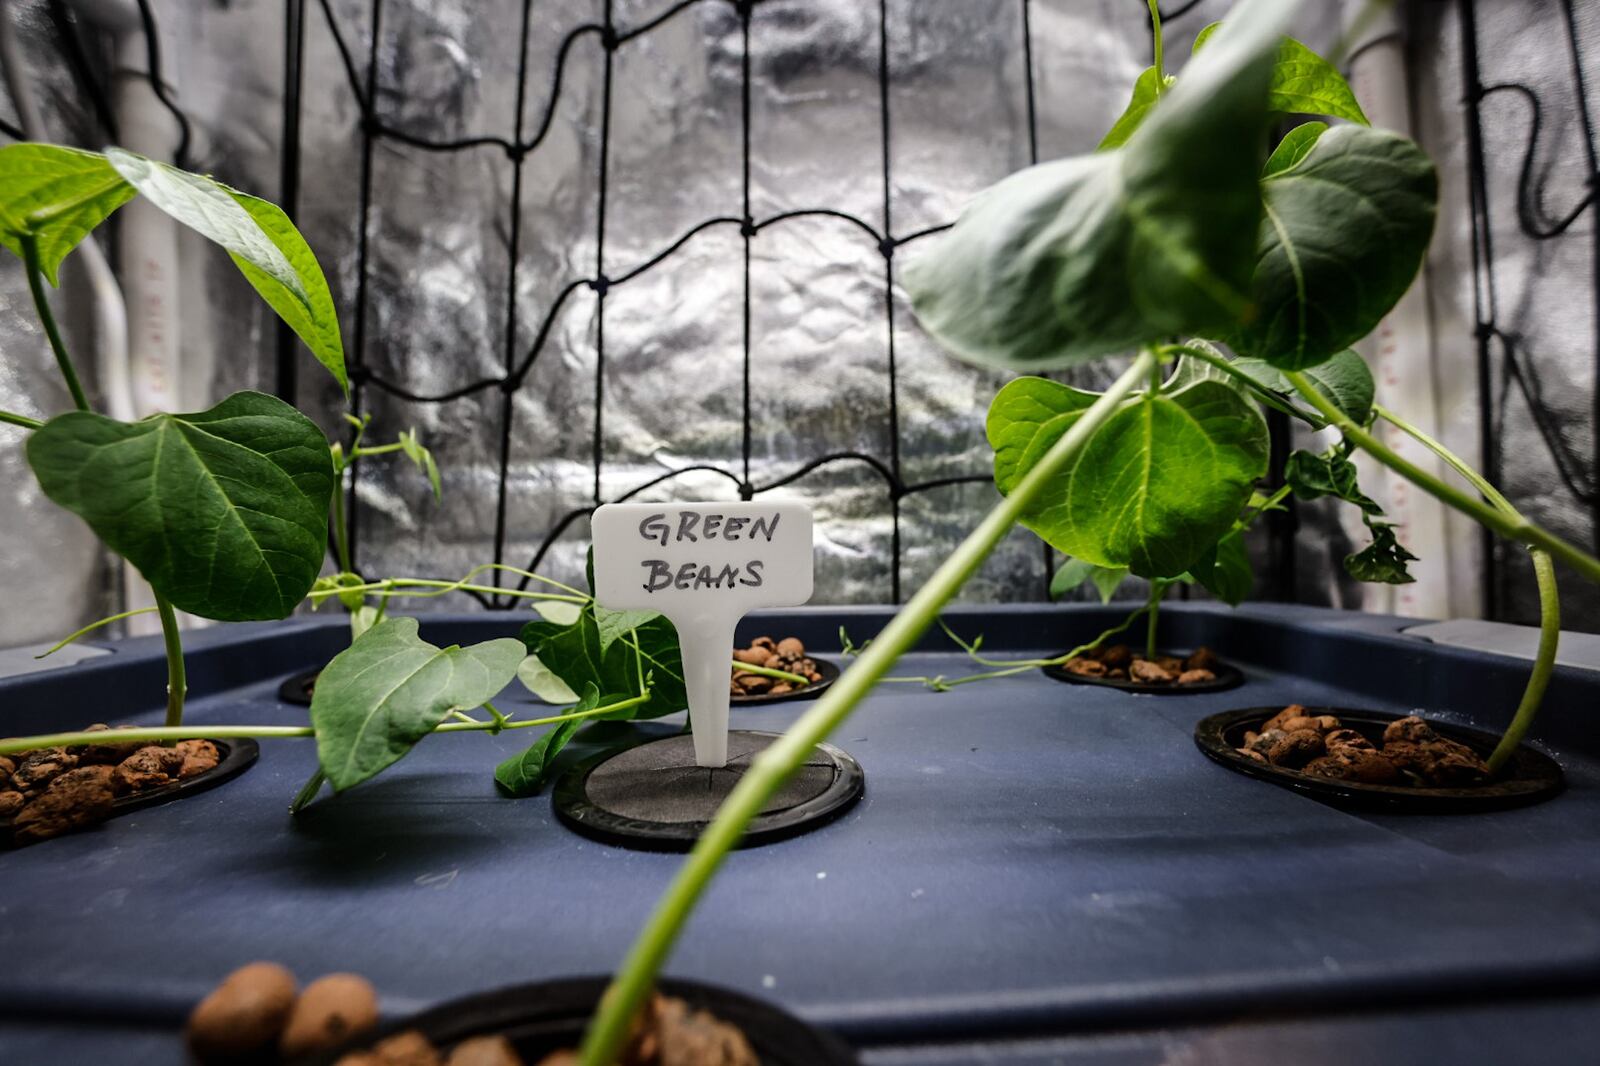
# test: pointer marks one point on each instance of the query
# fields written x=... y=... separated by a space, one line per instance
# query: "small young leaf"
x=1312 y=476
x=1225 y=571
x=1303 y=83
x=1065 y=261
x=1295 y=146
x=261 y=240
x=362 y=618
x=538 y=679
x=1344 y=379
x=1139 y=105
x=1345 y=231
x=573 y=654
x=44 y=179
x=390 y=688
x=558 y=611
x=1384 y=560
x=523 y=775
x=224 y=512
x=1107 y=579
x=1069 y=576
x=422 y=458
x=1163 y=478
x=614 y=625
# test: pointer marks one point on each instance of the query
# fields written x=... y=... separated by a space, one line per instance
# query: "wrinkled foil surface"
x=440 y=292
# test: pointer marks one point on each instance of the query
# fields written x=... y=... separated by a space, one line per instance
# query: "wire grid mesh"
x=1505 y=367
x=526 y=138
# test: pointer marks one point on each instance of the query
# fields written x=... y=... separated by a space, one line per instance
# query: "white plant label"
x=704 y=566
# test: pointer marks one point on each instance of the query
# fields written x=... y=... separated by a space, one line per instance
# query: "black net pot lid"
x=829 y=671
x=234 y=757
x=1529 y=777
x=547 y=1016
x=653 y=796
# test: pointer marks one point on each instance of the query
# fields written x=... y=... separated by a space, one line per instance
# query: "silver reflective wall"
x=442 y=309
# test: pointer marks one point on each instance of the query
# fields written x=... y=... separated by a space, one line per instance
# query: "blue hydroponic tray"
x=1038 y=872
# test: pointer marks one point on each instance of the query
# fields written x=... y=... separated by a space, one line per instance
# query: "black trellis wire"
x=1517 y=372
x=364 y=88
x=610 y=37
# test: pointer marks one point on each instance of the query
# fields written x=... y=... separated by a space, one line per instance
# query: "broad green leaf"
x=524 y=774
x=1069 y=576
x=224 y=512
x=1295 y=146
x=261 y=240
x=1152 y=490
x=1384 y=560
x=1303 y=83
x=574 y=654
x=558 y=611
x=78 y=190
x=1224 y=571
x=538 y=679
x=1139 y=105
x=1344 y=379
x=1345 y=231
x=1063 y=262
x=1313 y=476
x=389 y=689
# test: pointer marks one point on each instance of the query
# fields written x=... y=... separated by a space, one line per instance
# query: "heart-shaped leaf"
x=1144 y=97
x=1224 y=571
x=261 y=240
x=1153 y=489
x=1303 y=83
x=538 y=679
x=59 y=195
x=524 y=774
x=389 y=689
x=1075 y=572
x=224 y=512
x=1344 y=379
x=1066 y=261
x=1345 y=230
x=644 y=656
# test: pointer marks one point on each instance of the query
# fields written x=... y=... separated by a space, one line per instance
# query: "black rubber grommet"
x=653 y=797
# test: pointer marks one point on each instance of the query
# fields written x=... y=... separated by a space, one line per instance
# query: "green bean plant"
x=226 y=512
x=223 y=511
x=1184 y=225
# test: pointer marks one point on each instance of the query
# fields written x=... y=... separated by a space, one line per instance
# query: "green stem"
x=1544 y=573
x=177 y=683
x=1267 y=396
x=1158 y=589
x=776 y=764
x=30 y=257
x=90 y=628
x=1518 y=530
x=377 y=449
x=1155 y=37
x=161 y=735
x=397 y=586
x=151 y=735
x=20 y=420
x=341 y=537
x=767 y=671
x=308 y=791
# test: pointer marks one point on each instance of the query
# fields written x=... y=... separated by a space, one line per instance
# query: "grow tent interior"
x=604 y=250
